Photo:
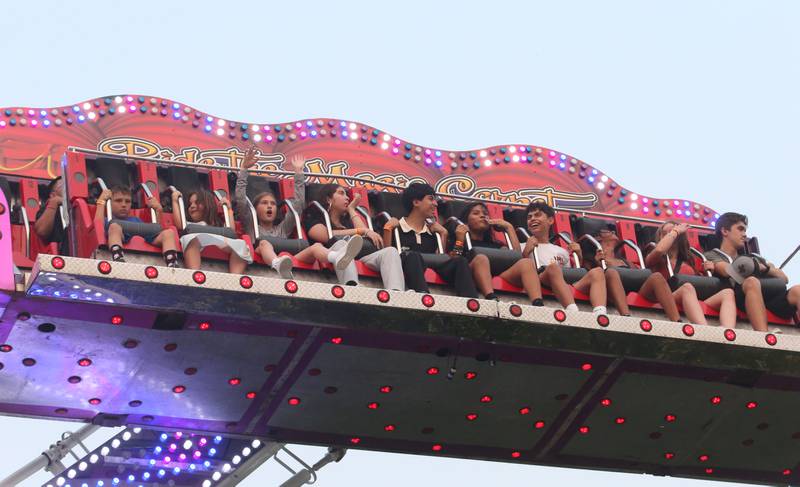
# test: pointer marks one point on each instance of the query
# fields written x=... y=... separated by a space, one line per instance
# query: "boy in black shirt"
x=418 y=237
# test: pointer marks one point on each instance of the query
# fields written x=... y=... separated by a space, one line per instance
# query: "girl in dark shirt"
x=347 y=223
x=521 y=273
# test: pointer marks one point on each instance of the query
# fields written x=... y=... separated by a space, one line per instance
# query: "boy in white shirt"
x=552 y=258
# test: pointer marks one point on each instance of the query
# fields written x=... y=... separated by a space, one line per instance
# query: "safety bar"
x=597 y=246
x=429 y=222
x=702 y=257
x=290 y=210
x=27 y=224
x=366 y=181
x=388 y=217
x=181 y=206
x=104 y=187
x=149 y=194
x=628 y=242
x=254 y=215
x=327 y=218
x=565 y=237
x=365 y=215
x=225 y=207
x=467 y=237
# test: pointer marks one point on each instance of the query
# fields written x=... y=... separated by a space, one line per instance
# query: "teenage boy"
x=418 y=236
x=552 y=258
x=120 y=198
x=731 y=232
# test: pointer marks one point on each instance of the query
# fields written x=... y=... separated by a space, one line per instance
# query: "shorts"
x=147 y=231
x=779 y=304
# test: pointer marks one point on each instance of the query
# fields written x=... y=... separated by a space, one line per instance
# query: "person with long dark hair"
x=202 y=210
x=479 y=226
x=347 y=224
x=672 y=243
x=270 y=224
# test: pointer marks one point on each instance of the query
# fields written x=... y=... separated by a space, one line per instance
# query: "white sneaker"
x=347 y=254
x=283 y=266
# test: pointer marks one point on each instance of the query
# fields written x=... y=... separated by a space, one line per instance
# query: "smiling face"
x=196 y=209
x=478 y=219
x=266 y=209
x=736 y=235
x=426 y=206
x=339 y=200
x=539 y=223
x=120 y=205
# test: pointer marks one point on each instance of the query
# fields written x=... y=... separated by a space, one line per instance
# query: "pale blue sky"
x=689 y=99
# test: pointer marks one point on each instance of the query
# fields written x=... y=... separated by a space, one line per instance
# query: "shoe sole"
x=353 y=248
x=285 y=269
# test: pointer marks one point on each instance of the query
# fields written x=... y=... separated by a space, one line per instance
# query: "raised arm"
x=240 y=192
x=653 y=259
x=298 y=202
x=509 y=230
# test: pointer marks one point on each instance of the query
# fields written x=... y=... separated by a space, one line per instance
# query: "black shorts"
x=778 y=304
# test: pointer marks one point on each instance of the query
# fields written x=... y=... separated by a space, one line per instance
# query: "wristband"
x=459 y=243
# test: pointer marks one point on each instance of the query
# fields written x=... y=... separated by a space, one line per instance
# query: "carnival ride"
x=212 y=374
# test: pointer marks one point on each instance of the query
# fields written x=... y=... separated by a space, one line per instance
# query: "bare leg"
x=114 y=235
x=167 y=240
x=267 y=251
x=191 y=255
x=553 y=278
x=754 y=303
x=595 y=282
x=482 y=273
x=236 y=265
x=312 y=253
x=724 y=302
x=656 y=288
x=523 y=274
x=793 y=296
x=686 y=296
x=617 y=291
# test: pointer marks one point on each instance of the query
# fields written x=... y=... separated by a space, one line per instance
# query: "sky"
x=693 y=99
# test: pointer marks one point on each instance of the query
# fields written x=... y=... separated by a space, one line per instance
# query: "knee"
x=727 y=294
x=658 y=278
x=596 y=274
x=794 y=294
x=687 y=290
x=169 y=234
x=114 y=228
x=480 y=260
x=526 y=265
x=552 y=269
x=751 y=284
x=265 y=246
x=611 y=274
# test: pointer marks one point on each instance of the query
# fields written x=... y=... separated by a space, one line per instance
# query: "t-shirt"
x=549 y=253
x=423 y=242
x=58 y=234
x=316 y=218
x=717 y=255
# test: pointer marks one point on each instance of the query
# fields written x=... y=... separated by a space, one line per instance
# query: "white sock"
x=333 y=255
x=571 y=307
x=600 y=310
